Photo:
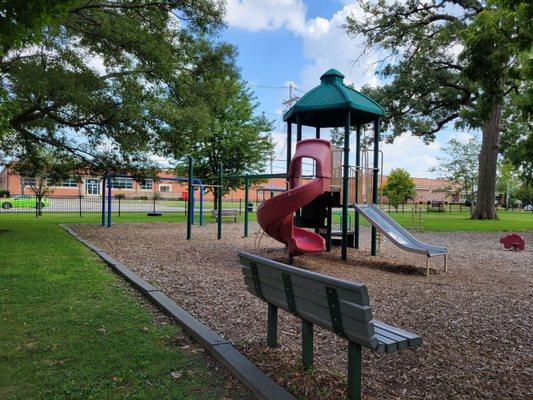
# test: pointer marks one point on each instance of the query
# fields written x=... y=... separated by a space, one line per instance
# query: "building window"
x=25 y=181
x=122 y=183
x=165 y=188
x=71 y=183
x=147 y=184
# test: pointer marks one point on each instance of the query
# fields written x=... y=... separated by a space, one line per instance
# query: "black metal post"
x=289 y=147
x=328 y=232
x=272 y=331
x=345 y=177
x=189 y=198
x=307 y=344
x=373 y=247
x=80 y=204
x=246 y=200
x=298 y=138
x=220 y=192
x=354 y=371
x=357 y=172
x=317 y=133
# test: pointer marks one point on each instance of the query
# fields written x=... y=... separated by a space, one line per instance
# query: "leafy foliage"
x=460 y=167
x=399 y=187
x=449 y=61
x=115 y=82
x=235 y=137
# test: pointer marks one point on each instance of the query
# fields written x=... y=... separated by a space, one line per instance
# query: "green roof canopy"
x=326 y=105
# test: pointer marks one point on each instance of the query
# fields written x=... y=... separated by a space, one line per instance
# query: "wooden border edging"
x=221 y=349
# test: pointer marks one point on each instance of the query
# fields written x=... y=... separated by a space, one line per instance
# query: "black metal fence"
x=120 y=204
x=144 y=204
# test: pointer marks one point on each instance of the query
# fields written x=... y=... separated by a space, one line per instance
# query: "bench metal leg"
x=445 y=262
x=354 y=371
x=272 y=330
x=307 y=344
x=427 y=266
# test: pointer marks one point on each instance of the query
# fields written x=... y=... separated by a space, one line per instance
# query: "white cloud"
x=410 y=153
x=255 y=15
x=326 y=45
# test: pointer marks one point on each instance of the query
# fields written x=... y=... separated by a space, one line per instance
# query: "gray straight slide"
x=395 y=233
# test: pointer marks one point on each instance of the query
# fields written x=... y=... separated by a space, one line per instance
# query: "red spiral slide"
x=275 y=216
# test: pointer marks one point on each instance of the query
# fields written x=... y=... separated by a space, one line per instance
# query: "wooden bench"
x=228 y=212
x=340 y=306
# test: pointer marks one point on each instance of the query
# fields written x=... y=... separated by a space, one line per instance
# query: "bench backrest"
x=226 y=212
x=337 y=305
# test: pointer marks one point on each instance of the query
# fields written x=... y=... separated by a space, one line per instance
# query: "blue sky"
x=282 y=41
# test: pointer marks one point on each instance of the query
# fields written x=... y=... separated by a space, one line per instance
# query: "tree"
x=449 y=61
x=399 y=187
x=460 y=167
x=21 y=22
x=114 y=81
x=44 y=168
x=235 y=137
x=516 y=144
x=508 y=180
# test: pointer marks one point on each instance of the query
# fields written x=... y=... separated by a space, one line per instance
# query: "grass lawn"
x=70 y=329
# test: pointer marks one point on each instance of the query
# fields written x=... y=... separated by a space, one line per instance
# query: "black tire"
x=6 y=206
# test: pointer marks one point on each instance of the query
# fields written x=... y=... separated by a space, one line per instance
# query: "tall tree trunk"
x=488 y=157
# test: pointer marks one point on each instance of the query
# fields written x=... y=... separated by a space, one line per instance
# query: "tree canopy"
x=115 y=82
x=399 y=187
x=449 y=61
x=236 y=136
x=460 y=167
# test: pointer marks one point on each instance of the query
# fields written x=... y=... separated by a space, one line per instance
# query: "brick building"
x=426 y=189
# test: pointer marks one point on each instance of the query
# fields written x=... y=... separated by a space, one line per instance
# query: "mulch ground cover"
x=475 y=320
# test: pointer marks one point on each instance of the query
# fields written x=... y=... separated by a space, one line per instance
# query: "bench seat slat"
x=353 y=310
x=359 y=332
x=413 y=340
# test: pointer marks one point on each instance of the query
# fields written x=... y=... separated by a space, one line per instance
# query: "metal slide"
x=395 y=233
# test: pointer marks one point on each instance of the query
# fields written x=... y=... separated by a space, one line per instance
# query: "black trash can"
x=250 y=207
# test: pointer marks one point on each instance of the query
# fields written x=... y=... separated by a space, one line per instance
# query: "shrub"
x=120 y=196
x=4 y=193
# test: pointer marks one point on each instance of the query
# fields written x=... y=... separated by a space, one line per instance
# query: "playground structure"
x=332 y=104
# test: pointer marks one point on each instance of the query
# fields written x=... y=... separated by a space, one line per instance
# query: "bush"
x=467 y=203
x=4 y=193
x=120 y=196
x=143 y=198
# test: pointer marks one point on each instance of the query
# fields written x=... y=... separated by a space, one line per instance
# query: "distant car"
x=22 y=201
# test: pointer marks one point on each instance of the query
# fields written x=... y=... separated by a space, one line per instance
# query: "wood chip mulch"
x=475 y=320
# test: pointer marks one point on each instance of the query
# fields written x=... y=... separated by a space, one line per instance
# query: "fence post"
x=240 y=204
x=119 y=198
x=80 y=204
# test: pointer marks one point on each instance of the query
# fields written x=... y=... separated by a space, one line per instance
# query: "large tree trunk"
x=488 y=157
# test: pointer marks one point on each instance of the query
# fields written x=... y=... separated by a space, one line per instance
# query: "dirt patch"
x=475 y=320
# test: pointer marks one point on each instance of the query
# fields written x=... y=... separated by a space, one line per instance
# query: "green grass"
x=69 y=328
x=460 y=221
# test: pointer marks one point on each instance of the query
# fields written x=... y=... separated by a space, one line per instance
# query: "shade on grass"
x=70 y=329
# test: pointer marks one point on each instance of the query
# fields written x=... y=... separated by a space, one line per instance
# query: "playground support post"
x=289 y=147
x=103 y=199
x=109 y=185
x=190 y=199
x=246 y=199
x=219 y=199
x=201 y=190
x=373 y=247
x=298 y=139
x=317 y=132
x=357 y=171
x=346 y=161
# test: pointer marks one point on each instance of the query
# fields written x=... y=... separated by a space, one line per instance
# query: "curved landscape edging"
x=221 y=349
